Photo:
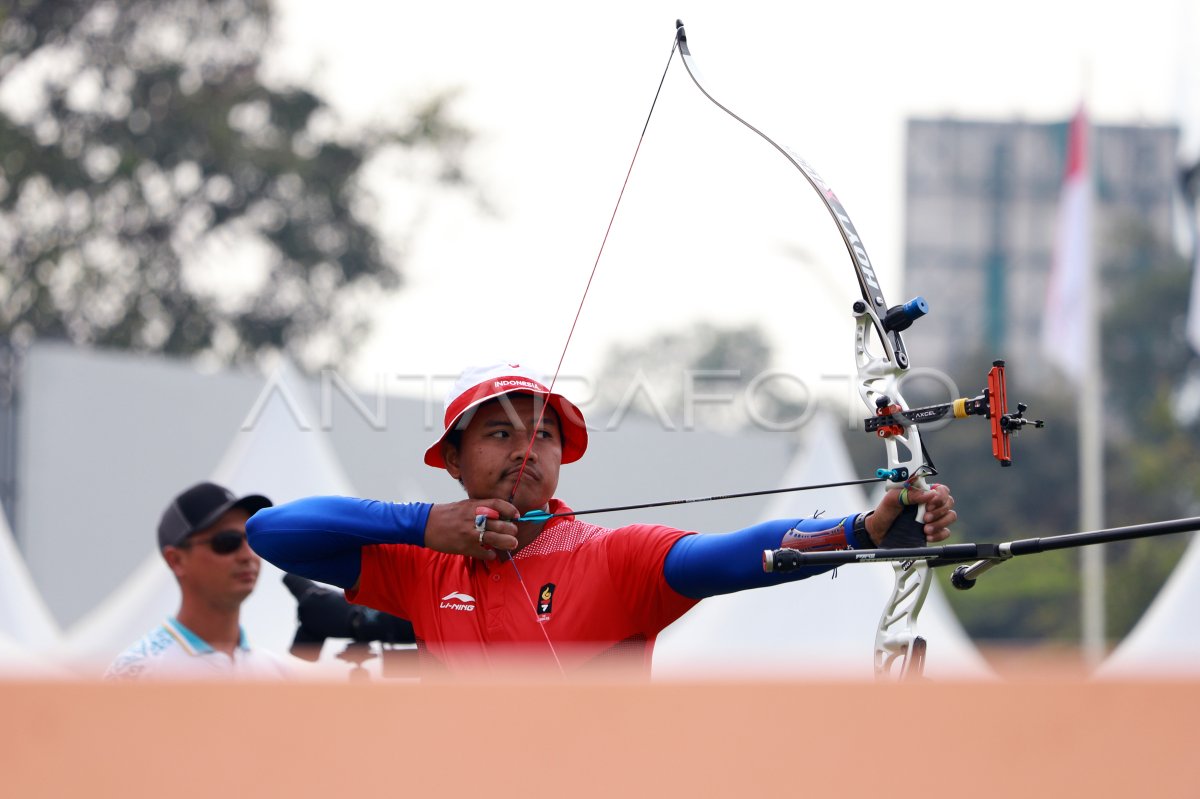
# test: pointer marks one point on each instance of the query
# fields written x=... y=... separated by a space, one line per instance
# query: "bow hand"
x=894 y=524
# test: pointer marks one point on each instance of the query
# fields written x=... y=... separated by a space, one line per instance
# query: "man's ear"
x=174 y=558
x=450 y=456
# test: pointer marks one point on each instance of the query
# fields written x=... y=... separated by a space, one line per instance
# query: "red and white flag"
x=1069 y=302
x=1193 y=330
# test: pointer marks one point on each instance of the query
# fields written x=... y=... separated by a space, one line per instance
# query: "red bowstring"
x=562 y=357
x=591 y=277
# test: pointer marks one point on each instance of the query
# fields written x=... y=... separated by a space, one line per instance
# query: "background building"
x=981 y=207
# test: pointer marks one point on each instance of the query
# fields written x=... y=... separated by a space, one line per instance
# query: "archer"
x=511 y=572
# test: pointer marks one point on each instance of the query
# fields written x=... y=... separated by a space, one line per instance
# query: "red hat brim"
x=571 y=421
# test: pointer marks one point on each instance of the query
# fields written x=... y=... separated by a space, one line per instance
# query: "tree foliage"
x=678 y=376
x=156 y=194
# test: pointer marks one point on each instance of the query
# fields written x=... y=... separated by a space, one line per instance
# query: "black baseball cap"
x=200 y=506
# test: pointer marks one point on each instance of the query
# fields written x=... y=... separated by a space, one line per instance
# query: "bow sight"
x=890 y=418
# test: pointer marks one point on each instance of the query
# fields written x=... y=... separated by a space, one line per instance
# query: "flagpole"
x=1093 y=622
x=1071 y=342
x=1091 y=490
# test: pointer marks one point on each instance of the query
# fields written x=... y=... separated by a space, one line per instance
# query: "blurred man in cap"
x=202 y=537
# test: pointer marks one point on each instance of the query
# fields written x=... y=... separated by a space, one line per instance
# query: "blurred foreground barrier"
x=1027 y=737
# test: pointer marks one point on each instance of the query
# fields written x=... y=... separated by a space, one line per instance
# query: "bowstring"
x=595 y=265
x=571 y=333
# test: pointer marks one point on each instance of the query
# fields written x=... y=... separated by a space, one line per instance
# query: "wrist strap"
x=860 y=538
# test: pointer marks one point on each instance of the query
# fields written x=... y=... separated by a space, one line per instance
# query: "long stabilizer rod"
x=980 y=557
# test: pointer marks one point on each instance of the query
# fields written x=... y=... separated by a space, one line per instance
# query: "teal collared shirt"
x=172 y=651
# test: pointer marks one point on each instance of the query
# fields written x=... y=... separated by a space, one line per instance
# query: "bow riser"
x=899 y=651
x=878 y=382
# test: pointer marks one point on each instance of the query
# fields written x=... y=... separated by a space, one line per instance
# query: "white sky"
x=714 y=224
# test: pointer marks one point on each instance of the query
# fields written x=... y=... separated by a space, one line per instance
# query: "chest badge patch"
x=545 y=601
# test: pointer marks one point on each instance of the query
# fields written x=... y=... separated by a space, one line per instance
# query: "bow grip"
x=907 y=530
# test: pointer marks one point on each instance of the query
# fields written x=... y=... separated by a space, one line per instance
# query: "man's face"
x=493 y=448
x=222 y=580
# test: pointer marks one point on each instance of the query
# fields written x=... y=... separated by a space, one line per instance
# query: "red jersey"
x=576 y=594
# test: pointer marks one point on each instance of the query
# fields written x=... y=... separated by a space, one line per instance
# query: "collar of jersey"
x=554 y=507
x=194 y=643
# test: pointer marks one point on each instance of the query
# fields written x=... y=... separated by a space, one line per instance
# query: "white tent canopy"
x=280 y=451
x=25 y=621
x=18 y=661
x=1166 y=641
x=28 y=632
x=819 y=627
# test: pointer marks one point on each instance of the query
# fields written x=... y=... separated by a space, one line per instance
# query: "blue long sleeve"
x=321 y=538
x=708 y=564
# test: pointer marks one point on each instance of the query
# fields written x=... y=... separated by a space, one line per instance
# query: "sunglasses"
x=225 y=542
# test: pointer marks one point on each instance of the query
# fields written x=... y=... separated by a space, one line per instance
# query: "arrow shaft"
x=670 y=502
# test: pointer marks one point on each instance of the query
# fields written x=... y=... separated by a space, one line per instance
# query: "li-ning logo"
x=456 y=600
